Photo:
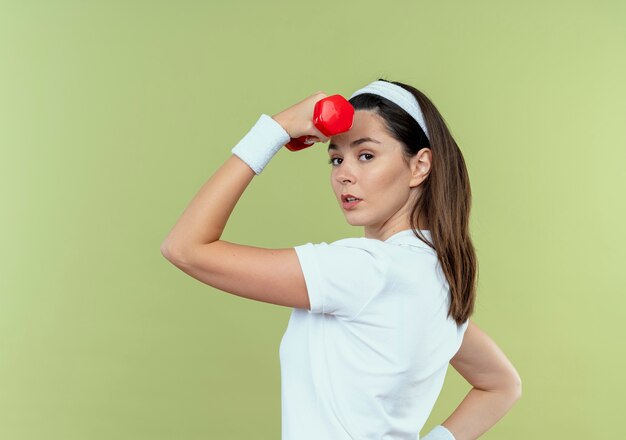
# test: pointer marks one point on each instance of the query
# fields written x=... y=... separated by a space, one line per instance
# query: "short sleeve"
x=344 y=276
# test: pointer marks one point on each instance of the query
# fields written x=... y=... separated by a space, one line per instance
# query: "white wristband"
x=261 y=143
x=439 y=432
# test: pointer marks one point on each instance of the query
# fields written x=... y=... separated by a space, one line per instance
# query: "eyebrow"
x=332 y=146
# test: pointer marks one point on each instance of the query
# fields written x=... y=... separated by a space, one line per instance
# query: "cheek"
x=383 y=179
x=389 y=184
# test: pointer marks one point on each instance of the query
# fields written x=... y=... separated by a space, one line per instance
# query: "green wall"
x=113 y=114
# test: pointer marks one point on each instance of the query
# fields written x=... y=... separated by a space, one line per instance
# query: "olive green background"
x=114 y=113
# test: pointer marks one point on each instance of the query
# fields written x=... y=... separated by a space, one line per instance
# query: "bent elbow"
x=516 y=387
x=509 y=386
x=168 y=253
x=165 y=252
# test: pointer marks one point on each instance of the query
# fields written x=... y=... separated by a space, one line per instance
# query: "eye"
x=362 y=154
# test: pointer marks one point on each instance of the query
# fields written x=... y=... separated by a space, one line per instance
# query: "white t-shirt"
x=369 y=359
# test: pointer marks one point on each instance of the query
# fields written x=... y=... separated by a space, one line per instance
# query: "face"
x=374 y=171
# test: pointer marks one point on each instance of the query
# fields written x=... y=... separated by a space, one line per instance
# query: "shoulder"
x=357 y=242
x=360 y=248
x=344 y=275
x=355 y=261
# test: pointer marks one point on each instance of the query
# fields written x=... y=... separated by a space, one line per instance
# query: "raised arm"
x=496 y=385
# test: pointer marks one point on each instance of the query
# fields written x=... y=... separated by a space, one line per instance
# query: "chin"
x=353 y=222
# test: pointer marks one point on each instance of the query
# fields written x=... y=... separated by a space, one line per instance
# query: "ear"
x=420 y=166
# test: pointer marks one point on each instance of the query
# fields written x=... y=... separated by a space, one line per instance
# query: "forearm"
x=204 y=219
x=479 y=411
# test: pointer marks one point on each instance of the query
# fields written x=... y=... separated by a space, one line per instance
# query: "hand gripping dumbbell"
x=331 y=115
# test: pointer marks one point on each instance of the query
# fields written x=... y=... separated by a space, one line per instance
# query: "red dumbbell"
x=331 y=115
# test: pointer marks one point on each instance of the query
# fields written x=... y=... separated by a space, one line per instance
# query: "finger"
x=310 y=140
x=319 y=135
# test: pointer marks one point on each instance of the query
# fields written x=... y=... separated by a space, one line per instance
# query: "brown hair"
x=446 y=194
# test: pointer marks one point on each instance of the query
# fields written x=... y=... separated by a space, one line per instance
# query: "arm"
x=496 y=385
x=269 y=275
x=204 y=220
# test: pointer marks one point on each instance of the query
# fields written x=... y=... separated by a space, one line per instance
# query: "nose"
x=345 y=178
x=344 y=174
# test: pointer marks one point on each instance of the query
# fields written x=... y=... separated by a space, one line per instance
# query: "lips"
x=349 y=204
x=345 y=197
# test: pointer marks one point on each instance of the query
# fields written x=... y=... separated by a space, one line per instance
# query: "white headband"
x=397 y=95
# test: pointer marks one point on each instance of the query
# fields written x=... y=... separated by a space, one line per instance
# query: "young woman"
x=376 y=319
